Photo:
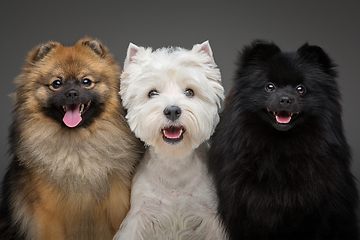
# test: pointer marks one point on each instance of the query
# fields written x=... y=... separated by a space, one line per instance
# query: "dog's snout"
x=72 y=94
x=285 y=101
x=172 y=112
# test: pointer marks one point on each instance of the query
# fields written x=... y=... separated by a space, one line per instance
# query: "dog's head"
x=285 y=89
x=172 y=96
x=68 y=84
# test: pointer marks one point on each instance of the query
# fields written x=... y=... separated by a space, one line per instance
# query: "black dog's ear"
x=41 y=51
x=259 y=50
x=94 y=45
x=315 y=54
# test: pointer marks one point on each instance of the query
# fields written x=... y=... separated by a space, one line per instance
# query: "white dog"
x=172 y=96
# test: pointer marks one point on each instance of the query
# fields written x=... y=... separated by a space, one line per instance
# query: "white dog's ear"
x=131 y=52
x=205 y=47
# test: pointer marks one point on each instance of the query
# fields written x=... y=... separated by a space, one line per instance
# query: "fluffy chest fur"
x=74 y=159
x=173 y=182
x=172 y=199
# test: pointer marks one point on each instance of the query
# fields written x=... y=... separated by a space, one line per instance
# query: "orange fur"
x=58 y=214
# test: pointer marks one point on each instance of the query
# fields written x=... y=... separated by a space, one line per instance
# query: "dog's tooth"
x=82 y=108
x=64 y=108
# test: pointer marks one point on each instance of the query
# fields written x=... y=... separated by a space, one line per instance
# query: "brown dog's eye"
x=300 y=89
x=86 y=82
x=270 y=87
x=56 y=84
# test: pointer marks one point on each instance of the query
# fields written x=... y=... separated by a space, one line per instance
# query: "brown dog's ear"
x=95 y=45
x=42 y=50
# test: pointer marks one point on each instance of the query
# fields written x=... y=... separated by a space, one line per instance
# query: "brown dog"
x=73 y=153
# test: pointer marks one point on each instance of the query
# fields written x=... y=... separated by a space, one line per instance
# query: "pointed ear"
x=258 y=51
x=131 y=52
x=41 y=51
x=315 y=54
x=94 y=45
x=205 y=47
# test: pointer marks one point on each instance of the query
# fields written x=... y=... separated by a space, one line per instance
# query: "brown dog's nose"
x=72 y=94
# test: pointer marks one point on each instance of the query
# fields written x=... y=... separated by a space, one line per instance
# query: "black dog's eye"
x=300 y=89
x=56 y=84
x=189 y=92
x=270 y=87
x=153 y=93
x=86 y=82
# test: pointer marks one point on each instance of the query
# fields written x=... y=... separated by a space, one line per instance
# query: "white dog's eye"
x=153 y=93
x=189 y=92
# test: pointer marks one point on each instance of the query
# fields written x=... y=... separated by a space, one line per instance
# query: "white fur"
x=172 y=194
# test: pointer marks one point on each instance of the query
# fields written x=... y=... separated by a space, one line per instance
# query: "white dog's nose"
x=172 y=112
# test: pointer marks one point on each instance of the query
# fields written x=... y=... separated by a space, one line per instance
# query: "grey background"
x=228 y=25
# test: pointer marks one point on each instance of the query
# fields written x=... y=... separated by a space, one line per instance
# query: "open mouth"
x=283 y=117
x=73 y=113
x=173 y=134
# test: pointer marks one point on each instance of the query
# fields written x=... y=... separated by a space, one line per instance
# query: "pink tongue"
x=283 y=117
x=172 y=132
x=72 y=116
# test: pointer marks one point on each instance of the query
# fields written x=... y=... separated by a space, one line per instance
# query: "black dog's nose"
x=285 y=101
x=72 y=94
x=172 y=112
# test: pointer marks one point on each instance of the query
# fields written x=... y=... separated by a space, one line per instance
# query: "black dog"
x=279 y=156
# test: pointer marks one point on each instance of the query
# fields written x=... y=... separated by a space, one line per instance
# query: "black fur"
x=284 y=181
x=8 y=229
